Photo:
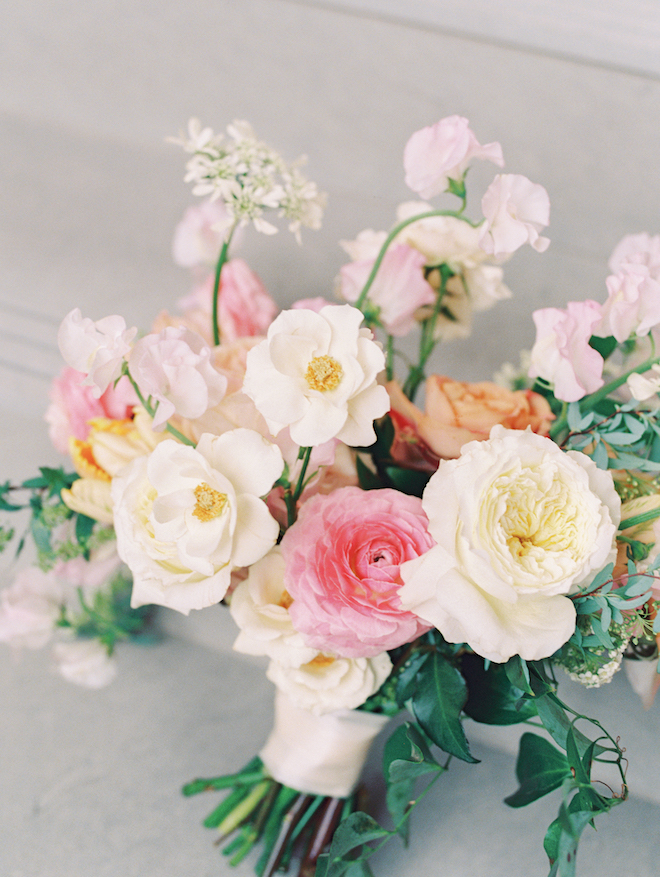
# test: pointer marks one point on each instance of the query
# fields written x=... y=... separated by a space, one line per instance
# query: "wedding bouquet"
x=442 y=563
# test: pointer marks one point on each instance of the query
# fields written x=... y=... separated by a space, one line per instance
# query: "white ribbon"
x=320 y=755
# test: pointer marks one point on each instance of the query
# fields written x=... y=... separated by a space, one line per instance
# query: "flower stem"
x=151 y=411
x=398 y=228
x=222 y=258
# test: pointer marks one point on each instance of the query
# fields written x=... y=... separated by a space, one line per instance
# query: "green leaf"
x=437 y=703
x=557 y=724
x=407 y=480
x=368 y=480
x=604 y=346
x=492 y=699
x=352 y=835
x=517 y=673
x=406 y=755
x=540 y=769
x=571 y=829
x=84 y=527
x=407 y=678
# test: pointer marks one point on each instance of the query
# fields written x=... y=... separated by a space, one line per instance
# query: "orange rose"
x=457 y=412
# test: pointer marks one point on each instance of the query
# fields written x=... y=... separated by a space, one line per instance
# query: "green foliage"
x=492 y=698
x=437 y=702
x=540 y=769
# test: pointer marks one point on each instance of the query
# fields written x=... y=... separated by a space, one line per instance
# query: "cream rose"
x=186 y=517
x=519 y=525
x=329 y=682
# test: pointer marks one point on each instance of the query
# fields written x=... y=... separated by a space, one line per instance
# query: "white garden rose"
x=260 y=608
x=519 y=525
x=329 y=682
x=316 y=373
x=186 y=517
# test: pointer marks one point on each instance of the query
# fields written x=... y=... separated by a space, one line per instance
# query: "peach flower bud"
x=457 y=412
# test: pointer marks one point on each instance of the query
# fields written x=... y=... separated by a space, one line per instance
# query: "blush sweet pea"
x=342 y=561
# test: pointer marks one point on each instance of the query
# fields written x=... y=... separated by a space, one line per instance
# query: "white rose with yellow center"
x=316 y=373
x=186 y=517
x=519 y=525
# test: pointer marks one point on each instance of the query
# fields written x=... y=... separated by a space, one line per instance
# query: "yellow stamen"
x=210 y=502
x=285 y=600
x=323 y=373
x=321 y=661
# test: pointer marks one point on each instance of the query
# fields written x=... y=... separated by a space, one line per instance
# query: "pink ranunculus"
x=245 y=307
x=197 y=240
x=342 y=569
x=561 y=353
x=175 y=369
x=633 y=302
x=516 y=210
x=97 y=349
x=399 y=287
x=441 y=152
x=73 y=405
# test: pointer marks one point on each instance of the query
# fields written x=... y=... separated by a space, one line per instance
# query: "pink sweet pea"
x=73 y=405
x=441 y=152
x=174 y=369
x=245 y=307
x=342 y=570
x=516 y=210
x=633 y=302
x=97 y=349
x=637 y=248
x=561 y=353
x=399 y=288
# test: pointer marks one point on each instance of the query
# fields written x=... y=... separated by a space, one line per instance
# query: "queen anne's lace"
x=250 y=178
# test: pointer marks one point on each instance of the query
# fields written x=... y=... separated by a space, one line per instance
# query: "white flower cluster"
x=250 y=178
x=603 y=675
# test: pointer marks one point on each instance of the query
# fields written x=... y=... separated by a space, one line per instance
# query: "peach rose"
x=457 y=412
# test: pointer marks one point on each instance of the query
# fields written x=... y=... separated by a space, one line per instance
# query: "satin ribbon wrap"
x=320 y=755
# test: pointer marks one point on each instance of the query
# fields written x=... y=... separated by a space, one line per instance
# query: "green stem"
x=222 y=258
x=151 y=411
x=398 y=228
x=389 y=362
x=300 y=486
x=593 y=399
x=427 y=341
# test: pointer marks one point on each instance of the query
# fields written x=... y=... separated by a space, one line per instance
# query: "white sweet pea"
x=516 y=210
x=519 y=525
x=186 y=517
x=29 y=608
x=643 y=387
x=329 y=682
x=316 y=373
x=260 y=607
x=174 y=369
x=85 y=662
x=97 y=349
